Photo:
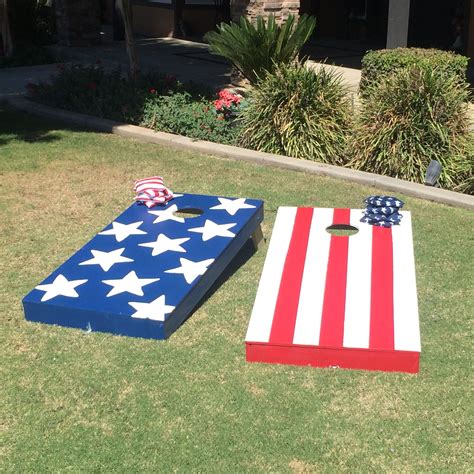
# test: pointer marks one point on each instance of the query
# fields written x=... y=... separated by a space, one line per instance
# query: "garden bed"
x=293 y=112
x=154 y=100
x=145 y=135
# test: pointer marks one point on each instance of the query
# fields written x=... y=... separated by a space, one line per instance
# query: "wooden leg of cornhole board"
x=257 y=237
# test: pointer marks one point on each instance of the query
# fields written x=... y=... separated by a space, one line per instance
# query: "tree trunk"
x=178 y=30
x=131 y=49
x=78 y=22
x=5 y=29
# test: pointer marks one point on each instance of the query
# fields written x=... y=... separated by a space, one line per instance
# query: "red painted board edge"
x=345 y=358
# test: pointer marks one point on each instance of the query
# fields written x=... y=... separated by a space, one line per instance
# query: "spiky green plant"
x=384 y=62
x=255 y=48
x=298 y=112
x=410 y=118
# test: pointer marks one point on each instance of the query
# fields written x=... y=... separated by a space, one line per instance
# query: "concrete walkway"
x=185 y=59
x=13 y=80
x=189 y=61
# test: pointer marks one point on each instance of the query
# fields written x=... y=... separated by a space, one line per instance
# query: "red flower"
x=92 y=86
x=151 y=90
x=32 y=88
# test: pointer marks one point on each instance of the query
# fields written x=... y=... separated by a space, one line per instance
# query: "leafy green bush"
x=95 y=91
x=410 y=118
x=376 y=65
x=255 y=49
x=180 y=113
x=298 y=112
x=154 y=100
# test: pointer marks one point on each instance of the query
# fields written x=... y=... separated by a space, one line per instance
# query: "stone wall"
x=254 y=8
x=78 y=22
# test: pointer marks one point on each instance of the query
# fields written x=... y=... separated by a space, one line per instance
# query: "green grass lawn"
x=77 y=401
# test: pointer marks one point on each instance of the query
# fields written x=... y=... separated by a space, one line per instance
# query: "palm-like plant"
x=255 y=49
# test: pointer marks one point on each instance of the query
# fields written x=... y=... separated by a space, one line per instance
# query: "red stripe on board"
x=286 y=307
x=334 y=304
x=381 y=295
x=346 y=358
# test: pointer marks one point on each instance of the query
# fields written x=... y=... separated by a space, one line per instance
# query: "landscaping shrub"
x=93 y=90
x=377 y=65
x=154 y=100
x=180 y=113
x=410 y=118
x=255 y=49
x=298 y=112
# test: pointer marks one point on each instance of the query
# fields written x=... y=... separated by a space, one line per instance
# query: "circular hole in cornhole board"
x=342 y=230
x=188 y=213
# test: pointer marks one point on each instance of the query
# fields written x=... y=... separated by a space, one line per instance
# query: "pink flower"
x=229 y=97
x=151 y=90
x=219 y=104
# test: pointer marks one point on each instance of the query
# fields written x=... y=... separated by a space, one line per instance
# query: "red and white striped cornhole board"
x=336 y=301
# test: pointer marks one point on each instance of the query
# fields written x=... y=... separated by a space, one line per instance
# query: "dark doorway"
x=360 y=20
x=438 y=24
x=346 y=29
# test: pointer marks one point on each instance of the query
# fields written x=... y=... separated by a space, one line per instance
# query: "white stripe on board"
x=405 y=311
x=264 y=307
x=358 y=284
x=310 y=307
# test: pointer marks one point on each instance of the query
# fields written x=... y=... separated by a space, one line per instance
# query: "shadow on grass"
x=242 y=257
x=20 y=126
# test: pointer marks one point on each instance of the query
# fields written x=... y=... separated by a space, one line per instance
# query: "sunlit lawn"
x=76 y=401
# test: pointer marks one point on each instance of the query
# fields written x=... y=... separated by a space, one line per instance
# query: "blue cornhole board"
x=144 y=273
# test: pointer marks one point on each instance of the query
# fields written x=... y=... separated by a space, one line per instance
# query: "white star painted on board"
x=107 y=259
x=130 y=283
x=61 y=286
x=155 y=310
x=211 y=230
x=232 y=205
x=122 y=231
x=191 y=270
x=166 y=215
x=164 y=244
